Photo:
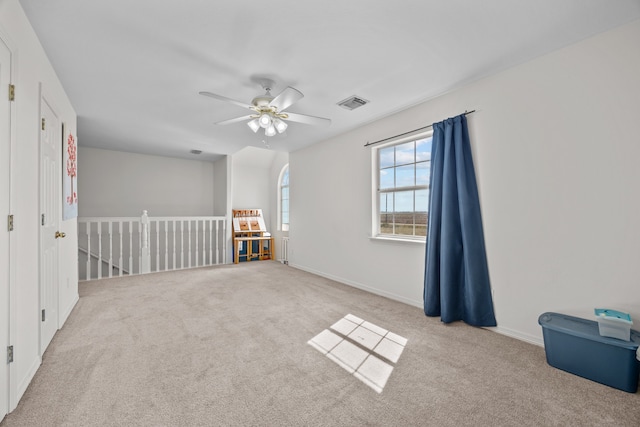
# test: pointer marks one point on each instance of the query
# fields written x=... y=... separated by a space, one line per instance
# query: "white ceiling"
x=133 y=68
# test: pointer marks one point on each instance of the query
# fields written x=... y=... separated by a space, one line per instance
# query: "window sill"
x=419 y=240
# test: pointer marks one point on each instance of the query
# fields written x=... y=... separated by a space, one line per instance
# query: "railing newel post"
x=145 y=251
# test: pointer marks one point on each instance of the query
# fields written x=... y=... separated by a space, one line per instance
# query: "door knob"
x=59 y=234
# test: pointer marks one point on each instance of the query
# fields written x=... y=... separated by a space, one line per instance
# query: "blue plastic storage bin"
x=575 y=345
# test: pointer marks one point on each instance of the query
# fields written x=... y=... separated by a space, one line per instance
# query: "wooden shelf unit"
x=248 y=227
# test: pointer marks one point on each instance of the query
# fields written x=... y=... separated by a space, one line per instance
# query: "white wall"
x=115 y=183
x=31 y=69
x=221 y=187
x=250 y=182
x=556 y=149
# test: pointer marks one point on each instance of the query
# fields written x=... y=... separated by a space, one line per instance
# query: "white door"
x=5 y=156
x=50 y=194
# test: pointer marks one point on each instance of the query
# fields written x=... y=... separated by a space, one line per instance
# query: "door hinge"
x=10 y=223
x=10 y=354
x=12 y=92
x=43 y=123
x=43 y=315
x=42 y=220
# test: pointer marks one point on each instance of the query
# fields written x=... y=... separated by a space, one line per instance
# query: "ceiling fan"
x=268 y=112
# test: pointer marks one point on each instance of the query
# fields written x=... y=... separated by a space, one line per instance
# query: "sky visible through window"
x=401 y=166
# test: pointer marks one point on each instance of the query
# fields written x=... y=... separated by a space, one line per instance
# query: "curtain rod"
x=407 y=133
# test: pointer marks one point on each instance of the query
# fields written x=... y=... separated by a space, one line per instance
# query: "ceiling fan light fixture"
x=265 y=120
x=254 y=125
x=270 y=131
x=268 y=112
x=280 y=125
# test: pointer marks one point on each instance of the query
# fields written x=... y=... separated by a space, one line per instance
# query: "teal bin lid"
x=584 y=328
x=609 y=314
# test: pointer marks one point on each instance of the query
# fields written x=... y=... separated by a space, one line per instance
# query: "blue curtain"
x=456 y=282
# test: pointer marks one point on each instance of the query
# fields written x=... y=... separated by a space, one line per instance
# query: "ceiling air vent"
x=196 y=152
x=353 y=102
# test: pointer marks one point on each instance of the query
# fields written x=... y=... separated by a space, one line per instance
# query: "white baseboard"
x=360 y=286
x=24 y=382
x=500 y=330
x=65 y=315
x=518 y=335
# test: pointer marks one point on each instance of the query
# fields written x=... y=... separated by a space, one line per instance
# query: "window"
x=283 y=199
x=402 y=187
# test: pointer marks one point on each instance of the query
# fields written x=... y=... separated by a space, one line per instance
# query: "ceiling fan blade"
x=224 y=98
x=309 y=120
x=286 y=98
x=236 y=120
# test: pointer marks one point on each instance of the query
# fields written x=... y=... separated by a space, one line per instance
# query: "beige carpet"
x=229 y=346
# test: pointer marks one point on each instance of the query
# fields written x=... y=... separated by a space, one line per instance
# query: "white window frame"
x=281 y=226
x=375 y=193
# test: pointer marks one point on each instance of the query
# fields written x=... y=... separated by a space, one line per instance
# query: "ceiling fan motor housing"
x=262 y=101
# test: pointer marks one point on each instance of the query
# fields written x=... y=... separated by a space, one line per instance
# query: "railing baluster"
x=196 y=233
x=211 y=242
x=224 y=237
x=140 y=248
x=131 y=248
x=166 y=245
x=110 y=249
x=203 y=257
x=88 y=250
x=217 y=240
x=157 y=245
x=204 y=242
x=174 y=244
x=189 y=239
x=100 y=250
x=182 y=255
x=120 y=255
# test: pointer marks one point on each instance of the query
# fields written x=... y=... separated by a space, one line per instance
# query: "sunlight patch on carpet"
x=363 y=349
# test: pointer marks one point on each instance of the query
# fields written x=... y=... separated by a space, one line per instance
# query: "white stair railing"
x=109 y=246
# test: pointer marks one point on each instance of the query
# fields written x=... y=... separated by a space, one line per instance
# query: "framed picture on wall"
x=69 y=175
